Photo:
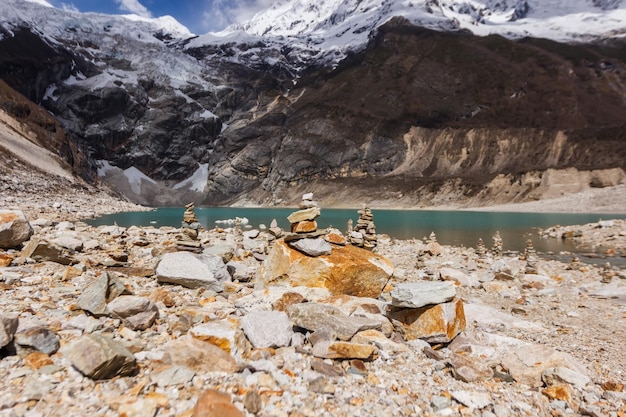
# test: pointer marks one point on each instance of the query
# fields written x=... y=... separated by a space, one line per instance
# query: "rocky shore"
x=117 y=321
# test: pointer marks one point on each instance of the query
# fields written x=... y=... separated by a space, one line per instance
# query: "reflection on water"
x=460 y=228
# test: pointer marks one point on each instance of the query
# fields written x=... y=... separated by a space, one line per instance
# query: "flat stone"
x=8 y=327
x=472 y=399
x=490 y=318
x=347 y=270
x=304 y=215
x=469 y=369
x=343 y=350
x=439 y=323
x=316 y=317
x=14 y=229
x=560 y=374
x=312 y=247
x=193 y=271
x=100 y=357
x=172 y=375
x=225 y=334
x=378 y=339
x=266 y=329
x=200 y=356
x=240 y=271
x=224 y=250
x=304 y=226
x=70 y=243
x=42 y=250
x=527 y=364
x=460 y=277
x=40 y=339
x=142 y=407
x=128 y=305
x=420 y=294
x=214 y=403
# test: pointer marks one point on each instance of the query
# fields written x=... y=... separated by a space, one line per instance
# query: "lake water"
x=451 y=227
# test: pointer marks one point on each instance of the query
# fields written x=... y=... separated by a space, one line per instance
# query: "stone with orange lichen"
x=5 y=259
x=288 y=299
x=214 y=403
x=562 y=392
x=225 y=334
x=304 y=226
x=343 y=350
x=439 y=323
x=347 y=270
x=336 y=239
x=37 y=360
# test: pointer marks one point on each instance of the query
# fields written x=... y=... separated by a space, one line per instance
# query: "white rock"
x=193 y=271
x=266 y=329
x=472 y=399
x=419 y=294
x=461 y=277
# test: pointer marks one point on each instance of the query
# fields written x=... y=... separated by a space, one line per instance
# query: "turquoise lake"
x=451 y=227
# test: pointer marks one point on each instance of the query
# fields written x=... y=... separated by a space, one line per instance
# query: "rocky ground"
x=93 y=324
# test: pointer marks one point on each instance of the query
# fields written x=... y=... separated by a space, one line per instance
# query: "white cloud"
x=135 y=7
x=69 y=7
x=222 y=13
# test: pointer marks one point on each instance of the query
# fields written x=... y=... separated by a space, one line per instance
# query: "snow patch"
x=135 y=177
x=197 y=181
x=103 y=168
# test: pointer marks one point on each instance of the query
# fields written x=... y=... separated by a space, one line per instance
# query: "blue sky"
x=200 y=16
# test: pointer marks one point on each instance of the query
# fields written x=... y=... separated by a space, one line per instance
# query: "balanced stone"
x=304 y=215
x=419 y=294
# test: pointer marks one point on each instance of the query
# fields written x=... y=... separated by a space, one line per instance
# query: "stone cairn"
x=530 y=255
x=481 y=250
x=304 y=235
x=608 y=273
x=364 y=233
x=574 y=264
x=496 y=248
x=190 y=227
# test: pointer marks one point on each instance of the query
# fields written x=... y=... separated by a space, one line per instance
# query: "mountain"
x=397 y=102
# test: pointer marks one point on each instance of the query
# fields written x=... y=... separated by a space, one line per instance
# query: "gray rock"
x=461 y=277
x=8 y=327
x=561 y=374
x=43 y=250
x=240 y=271
x=315 y=317
x=312 y=247
x=14 y=229
x=138 y=313
x=66 y=226
x=172 y=375
x=129 y=305
x=251 y=234
x=82 y=322
x=419 y=294
x=95 y=297
x=224 y=250
x=40 y=339
x=472 y=399
x=68 y=242
x=100 y=357
x=266 y=329
x=193 y=271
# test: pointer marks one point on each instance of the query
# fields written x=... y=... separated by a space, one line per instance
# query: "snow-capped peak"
x=40 y=2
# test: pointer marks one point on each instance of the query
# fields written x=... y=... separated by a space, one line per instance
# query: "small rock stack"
x=481 y=250
x=530 y=255
x=190 y=227
x=364 y=233
x=608 y=273
x=304 y=235
x=496 y=248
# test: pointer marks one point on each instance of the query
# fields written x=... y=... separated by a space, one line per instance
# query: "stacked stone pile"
x=190 y=227
x=305 y=237
x=530 y=256
x=497 y=246
x=364 y=233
